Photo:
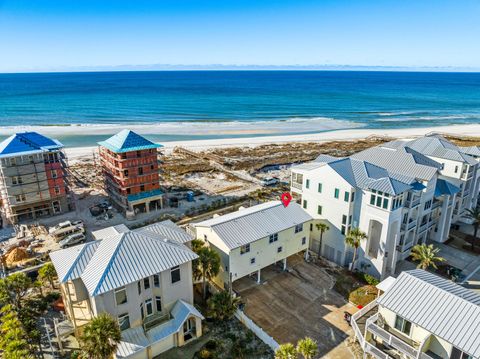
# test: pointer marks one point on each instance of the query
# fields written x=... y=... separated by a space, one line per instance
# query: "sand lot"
x=298 y=303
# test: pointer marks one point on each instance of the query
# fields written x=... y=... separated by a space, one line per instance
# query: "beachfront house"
x=33 y=178
x=130 y=168
x=253 y=238
x=420 y=315
x=396 y=193
x=141 y=277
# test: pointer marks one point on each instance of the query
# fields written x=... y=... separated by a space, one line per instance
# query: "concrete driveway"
x=297 y=303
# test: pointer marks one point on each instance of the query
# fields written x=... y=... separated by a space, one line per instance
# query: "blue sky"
x=63 y=34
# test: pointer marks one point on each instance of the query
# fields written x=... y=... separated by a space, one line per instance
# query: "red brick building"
x=130 y=168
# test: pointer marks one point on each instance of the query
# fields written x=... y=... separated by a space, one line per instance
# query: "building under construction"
x=33 y=177
x=130 y=167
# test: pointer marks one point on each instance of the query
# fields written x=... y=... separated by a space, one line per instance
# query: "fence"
x=259 y=332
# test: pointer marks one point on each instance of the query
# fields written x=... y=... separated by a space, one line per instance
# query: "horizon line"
x=222 y=67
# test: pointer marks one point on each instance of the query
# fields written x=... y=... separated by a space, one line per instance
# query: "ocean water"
x=176 y=105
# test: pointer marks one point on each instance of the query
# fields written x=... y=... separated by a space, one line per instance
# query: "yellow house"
x=256 y=237
x=420 y=315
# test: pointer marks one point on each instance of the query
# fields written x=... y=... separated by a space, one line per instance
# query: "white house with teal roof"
x=130 y=168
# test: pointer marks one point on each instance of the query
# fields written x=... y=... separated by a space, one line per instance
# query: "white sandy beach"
x=76 y=153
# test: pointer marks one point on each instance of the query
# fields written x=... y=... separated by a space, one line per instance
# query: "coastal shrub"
x=211 y=344
x=367 y=278
x=205 y=354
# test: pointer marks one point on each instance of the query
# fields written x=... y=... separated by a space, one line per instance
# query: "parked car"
x=72 y=239
x=270 y=181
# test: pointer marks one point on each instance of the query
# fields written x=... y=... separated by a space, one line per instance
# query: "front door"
x=188 y=329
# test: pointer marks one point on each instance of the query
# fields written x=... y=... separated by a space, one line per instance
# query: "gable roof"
x=70 y=262
x=440 y=306
x=472 y=150
x=402 y=161
x=27 y=143
x=435 y=146
x=126 y=141
x=128 y=257
x=251 y=224
x=168 y=229
x=110 y=231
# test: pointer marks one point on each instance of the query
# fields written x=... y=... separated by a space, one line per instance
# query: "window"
x=17 y=180
x=336 y=194
x=149 y=307
x=20 y=198
x=175 y=274
x=307 y=183
x=142 y=188
x=456 y=169
x=139 y=154
x=344 y=219
x=54 y=174
x=125 y=173
x=428 y=204
x=372 y=199
x=152 y=167
x=252 y=260
x=158 y=304
x=305 y=203
x=129 y=190
x=120 y=295
x=156 y=280
x=385 y=203
x=279 y=249
x=319 y=210
x=304 y=240
x=245 y=249
x=353 y=197
x=13 y=161
x=124 y=321
x=139 y=286
x=343 y=230
x=56 y=189
x=273 y=238
x=346 y=197
x=319 y=188
x=146 y=283
x=403 y=325
x=142 y=312
x=299 y=228
x=140 y=171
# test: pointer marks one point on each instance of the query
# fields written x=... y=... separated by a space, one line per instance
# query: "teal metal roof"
x=142 y=195
x=27 y=143
x=126 y=141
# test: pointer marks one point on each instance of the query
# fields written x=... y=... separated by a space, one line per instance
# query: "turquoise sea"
x=182 y=105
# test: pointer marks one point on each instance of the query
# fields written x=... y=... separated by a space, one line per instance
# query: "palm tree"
x=223 y=305
x=208 y=265
x=48 y=273
x=354 y=239
x=322 y=227
x=307 y=347
x=13 y=339
x=14 y=288
x=286 y=351
x=474 y=215
x=100 y=337
x=426 y=255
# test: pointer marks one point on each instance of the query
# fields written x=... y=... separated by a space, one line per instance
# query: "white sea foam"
x=276 y=126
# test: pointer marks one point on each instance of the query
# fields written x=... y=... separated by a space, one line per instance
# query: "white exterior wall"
x=333 y=209
x=169 y=293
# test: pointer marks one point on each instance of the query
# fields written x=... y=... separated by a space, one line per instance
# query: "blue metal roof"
x=445 y=188
x=27 y=143
x=126 y=141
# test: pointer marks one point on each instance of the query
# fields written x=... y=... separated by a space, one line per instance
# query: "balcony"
x=392 y=345
x=412 y=203
x=410 y=225
x=297 y=185
x=155 y=320
x=423 y=227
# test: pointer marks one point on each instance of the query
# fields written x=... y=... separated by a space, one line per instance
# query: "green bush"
x=367 y=278
x=52 y=297
x=205 y=354
x=211 y=344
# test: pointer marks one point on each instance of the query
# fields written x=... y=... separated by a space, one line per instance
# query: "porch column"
x=147 y=207
x=307 y=254
x=285 y=264
x=258 y=276
x=198 y=327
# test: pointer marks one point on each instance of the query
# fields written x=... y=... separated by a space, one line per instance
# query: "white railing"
x=259 y=332
x=356 y=316
x=297 y=185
